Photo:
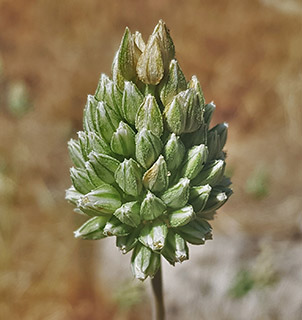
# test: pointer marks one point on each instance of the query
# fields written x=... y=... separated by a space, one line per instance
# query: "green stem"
x=157 y=286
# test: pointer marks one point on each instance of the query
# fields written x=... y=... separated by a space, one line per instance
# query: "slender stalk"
x=157 y=287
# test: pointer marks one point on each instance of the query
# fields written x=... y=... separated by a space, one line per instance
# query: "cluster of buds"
x=147 y=167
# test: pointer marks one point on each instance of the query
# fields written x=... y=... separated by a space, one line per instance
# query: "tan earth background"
x=248 y=58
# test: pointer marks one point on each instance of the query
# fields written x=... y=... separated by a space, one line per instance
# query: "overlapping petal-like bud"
x=148 y=169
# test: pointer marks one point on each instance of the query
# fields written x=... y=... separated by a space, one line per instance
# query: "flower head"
x=147 y=167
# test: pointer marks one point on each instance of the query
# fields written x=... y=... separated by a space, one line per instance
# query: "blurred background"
x=248 y=58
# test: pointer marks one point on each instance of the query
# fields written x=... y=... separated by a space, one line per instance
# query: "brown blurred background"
x=248 y=58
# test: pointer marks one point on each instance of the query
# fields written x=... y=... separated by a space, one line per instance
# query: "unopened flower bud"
x=181 y=217
x=85 y=144
x=148 y=147
x=154 y=235
x=152 y=207
x=109 y=92
x=103 y=200
x=175 y=83
x=197 y=137
x=123 y=140
x=184 y=114
x=222 y=132
x=89 y=122
x=149 y=116
x=127 y=243
x=194 y=84
x=114 y=227
x=177 y=196
x=175 y=249
x=194 y=161
x=166 y=43
x=72 y=195
x=199 y=196
x=92 y=229
x=217 y=198
x=196 y=232
x=98 y=144
x=174 y=151
x=128 y=176
x=144 y=262
x=92 y=175
x=128 y=213
x=107 y=120
x=132 y=99
x=104 y=166
x=208 y=112
x=80 y=180
x=210 y=174
x=126 y=56
x=150 y=65
x=156 y=178
x=75 y=153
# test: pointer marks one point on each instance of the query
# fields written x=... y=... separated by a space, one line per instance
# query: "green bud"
x=128 y=213
x=127 y=243
x=152 y=207
x=92 y=175
x=123 y=140
x=217 y=198
x=166 y=43
x=222 y=131
x=181 y=217
x=199 y=197
x=150 y=65
x=72 y=195
x=175 y=249
x=148 y=148
x=85 y=144
x=208 y=112
x=126 y=56
x=184 y=114
x=156 y=178
x=103 y=200
x=194 y=84
x=98 y=144
x=213 y=144
x=114 y=227
x=177 y=196
x=154 y=235
x=104 y=166
x=108 y=92
x=117 y=76
x=197 y=137
x=132 y=99
x=107 y=120
x=144 y=262
x=89 y=122
x=92 y=229
x=194 y=161
x=174 y=151
x=211 y=173
x=175 y=83
x=149 y=116
x=129 y=177
x=80 y=180
x=75 y=153
x=196 y=232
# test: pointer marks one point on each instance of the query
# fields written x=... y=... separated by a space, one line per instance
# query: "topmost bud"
x=156 y=57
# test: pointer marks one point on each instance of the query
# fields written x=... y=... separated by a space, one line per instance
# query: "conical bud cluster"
x=148 y=169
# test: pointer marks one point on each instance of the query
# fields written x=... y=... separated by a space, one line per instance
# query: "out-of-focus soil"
x=247 y=56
